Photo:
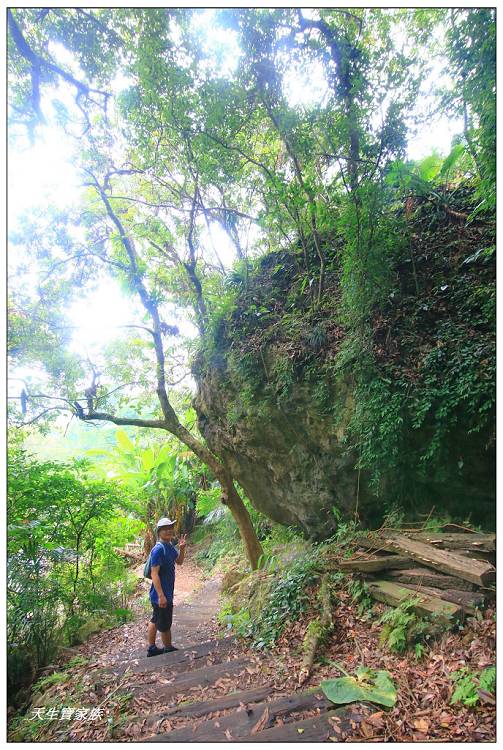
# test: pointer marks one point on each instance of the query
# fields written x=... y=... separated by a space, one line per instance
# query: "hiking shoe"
x=169 y=649
x=154 y=651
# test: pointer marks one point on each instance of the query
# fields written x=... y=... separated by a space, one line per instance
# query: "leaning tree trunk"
x=170 y=421
x=231 y=498
x=149 y=537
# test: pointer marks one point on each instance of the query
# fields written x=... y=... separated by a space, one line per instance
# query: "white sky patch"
x=42 y=173
x=97 y=317
x=438 y=139
x=220 y=44
x=219 y=243
x=305 y=85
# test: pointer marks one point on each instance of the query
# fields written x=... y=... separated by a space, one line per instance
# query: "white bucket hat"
x=165 y=522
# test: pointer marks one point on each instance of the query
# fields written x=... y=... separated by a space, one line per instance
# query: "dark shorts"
x=162 y=617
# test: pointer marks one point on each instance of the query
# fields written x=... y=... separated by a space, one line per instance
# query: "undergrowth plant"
x=471 y=686
x=288 y=599
x=404 y=629
x=360 y=594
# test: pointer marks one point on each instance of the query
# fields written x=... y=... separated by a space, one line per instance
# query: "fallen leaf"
x=300 y=730
x=366 y=729
x=261 y=723
x=376 y=720
x=422 y=725
x=228 y=735
x=486 y=697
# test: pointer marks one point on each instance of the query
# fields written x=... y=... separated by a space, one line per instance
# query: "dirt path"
x=196 y=603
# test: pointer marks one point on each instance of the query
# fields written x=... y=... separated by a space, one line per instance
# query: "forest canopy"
x=205 y=140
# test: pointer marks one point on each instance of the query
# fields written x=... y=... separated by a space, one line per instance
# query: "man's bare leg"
x=151 y=633
x=166 y=638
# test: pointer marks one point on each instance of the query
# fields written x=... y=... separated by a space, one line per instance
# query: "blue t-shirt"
x=164 y=554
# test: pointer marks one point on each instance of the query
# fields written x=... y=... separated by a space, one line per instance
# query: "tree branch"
x=37 y=63
x=159 y=424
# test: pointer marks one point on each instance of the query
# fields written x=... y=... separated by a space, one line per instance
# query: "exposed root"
x=317 y=630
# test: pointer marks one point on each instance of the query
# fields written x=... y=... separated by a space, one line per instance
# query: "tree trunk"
x=230 y=497
x=171 y=423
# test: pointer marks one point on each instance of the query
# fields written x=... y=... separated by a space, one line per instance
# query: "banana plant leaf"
x=367 y=685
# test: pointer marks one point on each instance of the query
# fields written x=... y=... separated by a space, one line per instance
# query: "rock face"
x=294 y=466
x=290 y=462
x=287 y=385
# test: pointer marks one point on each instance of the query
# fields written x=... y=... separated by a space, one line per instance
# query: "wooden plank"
x=428 y=577
x=180 y=683
x=469 y=600
x=393 y=593
x=176 y=660
x=477 y=571
x=455 y=527
x=199 y=709
x=240 y=723
x=478 y=542
x=376 y=543
x=478 y=554
x=375 y=564
x=316 y=729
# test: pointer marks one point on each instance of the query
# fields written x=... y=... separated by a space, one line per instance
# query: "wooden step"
x=394 y=593
x=476 y=571
x=316 y=729
x=199 y=709
x=180 y=683
x=241 y=723
x=428 y=577
x=177 y=660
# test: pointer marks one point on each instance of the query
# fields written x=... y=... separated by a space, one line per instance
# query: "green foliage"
x=471 y=47
x=62 y=568
x=287 y=600
x=469 y=685
x=360 y=595
x=161 y=475
x=268 y=562
x=332 y=285
x=208 y=501
x=239 y=622
x=403 y=628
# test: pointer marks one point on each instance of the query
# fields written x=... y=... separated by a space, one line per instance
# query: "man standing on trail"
x=162 y=560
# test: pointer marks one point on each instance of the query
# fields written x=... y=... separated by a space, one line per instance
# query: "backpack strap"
x=163 y=550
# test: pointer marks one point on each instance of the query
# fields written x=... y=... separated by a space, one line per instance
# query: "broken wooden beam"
x=469 y=569
x=137 y=557
x=393 y=594
x=375 y=564
x=469 y=600
x=429 y=577
x=477 y=542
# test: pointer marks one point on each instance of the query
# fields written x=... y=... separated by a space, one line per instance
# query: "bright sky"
x=44 y=173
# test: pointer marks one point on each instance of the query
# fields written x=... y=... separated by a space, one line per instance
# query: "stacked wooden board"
x=450 y=573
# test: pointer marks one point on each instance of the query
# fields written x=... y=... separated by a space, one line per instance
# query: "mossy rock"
x=93 y=625
x=252 y=592
x=232 y=577
x=21 y=670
